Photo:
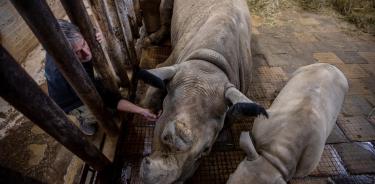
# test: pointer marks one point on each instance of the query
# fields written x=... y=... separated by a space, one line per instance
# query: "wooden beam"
x=128 y=30
x=22 y=92
x=116 y=46
x=40 y=19
x=78 y=15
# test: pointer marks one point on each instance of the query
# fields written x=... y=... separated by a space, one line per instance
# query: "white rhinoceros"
x=207 y=72
x=291 y=142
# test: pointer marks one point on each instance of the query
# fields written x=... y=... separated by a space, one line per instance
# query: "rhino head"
x=198 y=96
x=254 y=168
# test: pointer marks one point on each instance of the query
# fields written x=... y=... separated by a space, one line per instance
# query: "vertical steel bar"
x=40 y=19
x=21 y=91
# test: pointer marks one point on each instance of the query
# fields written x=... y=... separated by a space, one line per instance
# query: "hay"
x=359 y=12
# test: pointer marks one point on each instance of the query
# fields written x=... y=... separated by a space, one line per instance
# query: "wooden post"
x=128 y=30
x=116 y=46
x=78 y=15
x=40 y=19
x=21 y=91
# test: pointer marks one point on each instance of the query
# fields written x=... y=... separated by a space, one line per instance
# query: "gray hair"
x=70 y=31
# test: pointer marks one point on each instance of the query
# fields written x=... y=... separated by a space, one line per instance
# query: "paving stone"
x=358 y=179
x=352 y=71
x=270 y=74
x=307 y=48
x=370 y=68
x=311 y=180
x=356 y=106
x=368 y=56
x=358 y=158
x=370 y=99
x=336 y=136
x=364 y=46
x=329 y=164
x=350 y=57
x=369 y=83
x=262 y=91
x=358 y=87
x=289 y=59
x=327 y=57
x=334 y=45
x=357 y=128
x=335 y=42
x=305 y=37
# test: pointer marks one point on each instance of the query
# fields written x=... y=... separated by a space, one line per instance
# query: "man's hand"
x=99 y=37
x=147 y=114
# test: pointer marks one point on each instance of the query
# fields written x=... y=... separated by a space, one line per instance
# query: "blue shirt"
x=59 y=89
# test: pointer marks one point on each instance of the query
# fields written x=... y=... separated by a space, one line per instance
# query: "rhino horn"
x=177 y=136
x=241 y=105
x=247 y=145
x=164 y=73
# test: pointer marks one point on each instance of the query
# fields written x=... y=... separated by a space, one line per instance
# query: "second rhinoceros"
x=207 y=72
x=291 y=142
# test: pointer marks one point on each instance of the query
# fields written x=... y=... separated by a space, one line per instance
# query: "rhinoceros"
x=207 y=72
x=291 y=142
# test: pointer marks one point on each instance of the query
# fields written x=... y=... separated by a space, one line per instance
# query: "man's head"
x=76 y=40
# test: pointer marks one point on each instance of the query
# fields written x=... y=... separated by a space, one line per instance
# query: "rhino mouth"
x=161 y=169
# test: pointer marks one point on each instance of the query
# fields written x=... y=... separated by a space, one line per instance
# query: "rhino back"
x=301 y=118
x=220 y=26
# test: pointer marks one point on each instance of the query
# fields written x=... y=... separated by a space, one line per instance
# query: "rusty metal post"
x=21 y=91
x=116 y=45
x=40 y=19
x=78 y=15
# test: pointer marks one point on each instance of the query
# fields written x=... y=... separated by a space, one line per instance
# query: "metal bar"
x=40 y=19
x=21 y=91
x=78 y=15
x=116 y=50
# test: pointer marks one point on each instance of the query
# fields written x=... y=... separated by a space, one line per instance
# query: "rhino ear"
x=247 y=145
x=155 y=77
x=164 y=73
x=241 y=105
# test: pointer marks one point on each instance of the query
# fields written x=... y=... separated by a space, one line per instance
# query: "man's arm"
x=124 y=105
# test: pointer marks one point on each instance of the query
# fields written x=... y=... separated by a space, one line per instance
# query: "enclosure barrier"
x=20 y=90
x=120 y=21
x=78 y=15
x=42 y=22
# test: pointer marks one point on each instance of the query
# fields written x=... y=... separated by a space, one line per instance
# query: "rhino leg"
x=166 y=10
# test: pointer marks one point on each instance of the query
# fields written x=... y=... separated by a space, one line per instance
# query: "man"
x=61 y=92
